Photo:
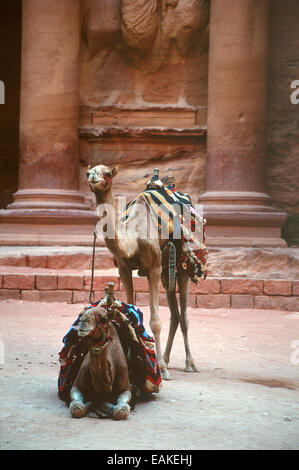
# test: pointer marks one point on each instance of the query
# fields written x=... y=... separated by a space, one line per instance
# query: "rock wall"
x=145 y=65
x=282 y=178
x=10 y=69
x=143 y=90
x=143 y=96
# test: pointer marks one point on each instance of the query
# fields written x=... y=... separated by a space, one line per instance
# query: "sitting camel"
x=145 y=254
x=103 y=374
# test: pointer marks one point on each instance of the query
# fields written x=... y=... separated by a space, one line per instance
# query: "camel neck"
x=99 y=371
x=107 y=214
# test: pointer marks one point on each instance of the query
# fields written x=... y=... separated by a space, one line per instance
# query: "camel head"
x=100 y=177
x=94 y=322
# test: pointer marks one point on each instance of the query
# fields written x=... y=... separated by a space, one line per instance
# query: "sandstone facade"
x=141 y=84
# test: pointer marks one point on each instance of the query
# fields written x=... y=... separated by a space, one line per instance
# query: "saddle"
x=173 y=213
x=138 y=347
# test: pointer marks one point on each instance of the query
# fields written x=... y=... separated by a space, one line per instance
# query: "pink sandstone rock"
x=18 y=281
x=46 y=281
x=278 y=287
x=241 y=286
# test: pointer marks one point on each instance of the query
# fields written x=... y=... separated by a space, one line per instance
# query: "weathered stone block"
x=18 y=281
x=213 y=301
x=277 y=302
x=140 y=284
x=242 y=286
x=30 y=295
x=80 y=297
x=46 y=281
x=296 y=288
x=100 y=282
x=56 y=296
x=70 y=281
x=278 y=287
x=7 y=294
x=208 y=286
x=242 y=301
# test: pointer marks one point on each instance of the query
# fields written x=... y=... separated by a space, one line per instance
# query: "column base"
x=242 y=219
x=46 y=227
x=47 y=217
x=48 y=199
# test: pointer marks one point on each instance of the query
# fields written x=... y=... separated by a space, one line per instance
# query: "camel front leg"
x=183 y=283
x=155 y=322
x=78 y=406
x=119 y=411
x=122 y=408
x=126 y=278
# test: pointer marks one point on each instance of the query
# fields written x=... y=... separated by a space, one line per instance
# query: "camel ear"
x=114 y=171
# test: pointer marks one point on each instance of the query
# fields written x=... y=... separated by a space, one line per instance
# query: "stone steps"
x=239 y=262
x=29 y=283
x=55 y=257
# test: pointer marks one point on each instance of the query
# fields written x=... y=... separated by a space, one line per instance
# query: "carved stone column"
x=235 y=203
x=49 y=146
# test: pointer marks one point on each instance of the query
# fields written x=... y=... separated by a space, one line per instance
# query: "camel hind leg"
x=154 y=277
x=183 y=283
x=174 y=321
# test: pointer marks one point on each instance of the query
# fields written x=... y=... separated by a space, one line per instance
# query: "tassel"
x=172 y=266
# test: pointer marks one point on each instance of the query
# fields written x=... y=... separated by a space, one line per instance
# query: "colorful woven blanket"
x=174 y=216
x=138 y=346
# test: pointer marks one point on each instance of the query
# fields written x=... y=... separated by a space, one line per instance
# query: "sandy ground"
x=245 y=396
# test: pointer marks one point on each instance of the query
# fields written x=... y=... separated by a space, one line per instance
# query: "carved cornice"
x=93 y=133
x=142 y=121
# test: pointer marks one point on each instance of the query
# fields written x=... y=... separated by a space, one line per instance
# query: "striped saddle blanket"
x=138 y=346
x=175 y=218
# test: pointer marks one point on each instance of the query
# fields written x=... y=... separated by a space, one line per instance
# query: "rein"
x=108 y=181
x=98 y=348
x=95 y=235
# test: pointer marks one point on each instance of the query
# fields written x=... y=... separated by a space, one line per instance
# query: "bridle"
x=106 y=338
x=107 y=178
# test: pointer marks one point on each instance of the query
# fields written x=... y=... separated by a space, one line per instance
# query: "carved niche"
x=137 y=51
x=143 y=83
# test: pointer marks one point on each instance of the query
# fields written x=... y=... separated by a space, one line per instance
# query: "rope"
x=172 y=267
x=93 y=258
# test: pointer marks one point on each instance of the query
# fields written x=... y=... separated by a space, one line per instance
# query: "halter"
x=107 y=178
x=97 y=348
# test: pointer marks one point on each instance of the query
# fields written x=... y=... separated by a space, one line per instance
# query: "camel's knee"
x=78 y=409
x=121 y=411
x=155 y=326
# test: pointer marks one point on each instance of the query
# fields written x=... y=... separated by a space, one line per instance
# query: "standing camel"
x=137 y=252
